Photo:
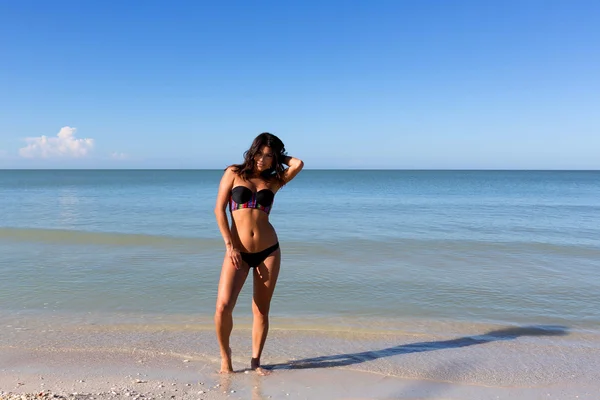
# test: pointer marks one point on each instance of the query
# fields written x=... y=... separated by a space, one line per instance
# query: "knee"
x=261 y=311
x=223 y=309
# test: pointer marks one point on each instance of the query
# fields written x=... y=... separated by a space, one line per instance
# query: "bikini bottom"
x=255 y=259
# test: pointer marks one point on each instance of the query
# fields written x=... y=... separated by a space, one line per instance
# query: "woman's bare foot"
x=255 y=365
x=226 y=367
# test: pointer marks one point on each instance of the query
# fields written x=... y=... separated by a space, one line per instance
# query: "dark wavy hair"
x=275 y=173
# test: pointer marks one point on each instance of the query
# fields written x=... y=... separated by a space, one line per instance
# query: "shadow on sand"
x=340 y=360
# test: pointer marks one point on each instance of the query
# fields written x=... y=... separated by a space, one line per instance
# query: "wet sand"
x=180 y=362
x=105 y=375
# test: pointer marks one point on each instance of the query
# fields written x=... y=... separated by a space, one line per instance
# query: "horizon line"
x=311 y=169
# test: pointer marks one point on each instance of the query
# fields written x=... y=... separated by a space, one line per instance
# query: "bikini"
x=243 y=197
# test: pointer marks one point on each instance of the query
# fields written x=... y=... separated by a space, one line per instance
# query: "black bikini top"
x=243 y=197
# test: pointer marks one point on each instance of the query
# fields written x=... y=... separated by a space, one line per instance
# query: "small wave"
x=337 y=248
x=71 y=237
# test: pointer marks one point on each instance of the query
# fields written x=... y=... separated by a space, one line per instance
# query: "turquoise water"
x=386 y=247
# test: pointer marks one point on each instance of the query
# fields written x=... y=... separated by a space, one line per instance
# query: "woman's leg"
x=265 y=278
x=230 y=284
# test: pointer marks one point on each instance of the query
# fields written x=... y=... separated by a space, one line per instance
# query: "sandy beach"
x=167 y=362
x=93 y=375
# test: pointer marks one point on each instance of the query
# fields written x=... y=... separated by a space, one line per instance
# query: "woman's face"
x=263 y=160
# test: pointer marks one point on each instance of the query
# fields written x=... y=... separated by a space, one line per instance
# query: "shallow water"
x=520 y=247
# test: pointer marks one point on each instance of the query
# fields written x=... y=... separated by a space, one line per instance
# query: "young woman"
x=251 y=241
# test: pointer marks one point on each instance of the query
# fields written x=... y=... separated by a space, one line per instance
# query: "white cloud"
x=118 y=156
x=63 y=145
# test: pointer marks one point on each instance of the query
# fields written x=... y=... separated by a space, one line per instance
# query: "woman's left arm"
x=295 y=165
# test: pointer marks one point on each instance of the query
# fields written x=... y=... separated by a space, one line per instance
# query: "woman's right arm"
x=221 y=214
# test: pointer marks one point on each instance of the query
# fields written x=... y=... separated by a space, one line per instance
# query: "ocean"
x=364 y=252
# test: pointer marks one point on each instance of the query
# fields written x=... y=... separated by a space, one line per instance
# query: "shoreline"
x=160 y=361
x=46 y=374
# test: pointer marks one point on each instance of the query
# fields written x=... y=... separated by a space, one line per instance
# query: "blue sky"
x=345 y=84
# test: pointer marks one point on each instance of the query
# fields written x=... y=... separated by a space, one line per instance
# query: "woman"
x=251 y=242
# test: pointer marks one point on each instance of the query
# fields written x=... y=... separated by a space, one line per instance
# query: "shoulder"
x=229 y=175
x=232 y=170
x=276 y=184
